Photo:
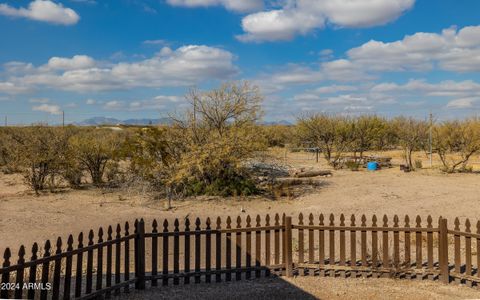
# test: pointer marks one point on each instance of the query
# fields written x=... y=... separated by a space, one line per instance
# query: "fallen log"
x=312 y=174
x=298 y=181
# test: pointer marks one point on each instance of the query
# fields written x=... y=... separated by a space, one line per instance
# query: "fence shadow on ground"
x=272 y=287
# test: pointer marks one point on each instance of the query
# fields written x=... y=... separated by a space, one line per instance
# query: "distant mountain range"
x=112 y=121
x=96 y=121
x=281 y=122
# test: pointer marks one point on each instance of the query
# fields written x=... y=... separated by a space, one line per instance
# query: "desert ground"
x=27 y=218
x=311 y=288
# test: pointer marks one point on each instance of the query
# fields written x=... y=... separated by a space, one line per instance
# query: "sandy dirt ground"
x=310 y=288
x=27 y=218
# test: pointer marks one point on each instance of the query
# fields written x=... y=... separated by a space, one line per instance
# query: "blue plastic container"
x=372 y=166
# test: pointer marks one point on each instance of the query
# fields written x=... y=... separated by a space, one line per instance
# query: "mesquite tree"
x=455 y=142
x=368 y=133
x=205 y=150
x=94 y=149
x=333 y=135
x=38 y=152
x=412 y=136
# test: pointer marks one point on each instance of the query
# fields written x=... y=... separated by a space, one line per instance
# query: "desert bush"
x=455 y=142
x=333 y=135
x=39 y=153
x=94 y=149
x=368 y=134
x=152 y=152
x=72 y=172
x=7 y=163
x=278 y=135
x=3 y=147
x=204 y=151
x=412 y=136
x=219 y=137
x=418 y=164
x=388 y=139
x=352 y=165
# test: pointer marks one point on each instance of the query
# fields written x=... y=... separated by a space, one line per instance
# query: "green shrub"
x=73 y=174
x=352 y=165
x=224 y=187
x=466 y=169
x=418 y=164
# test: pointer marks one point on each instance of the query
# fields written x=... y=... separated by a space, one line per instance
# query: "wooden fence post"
x=443 y=251
x=140 y=255
x=288 y=247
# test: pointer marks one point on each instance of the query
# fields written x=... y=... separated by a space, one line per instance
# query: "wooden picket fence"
x=313 y=246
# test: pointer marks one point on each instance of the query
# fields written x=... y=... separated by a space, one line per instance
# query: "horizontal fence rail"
x=226 y=250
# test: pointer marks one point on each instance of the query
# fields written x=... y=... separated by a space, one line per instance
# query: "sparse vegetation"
x=208 y=149
x=93 y=150
x=38 y=153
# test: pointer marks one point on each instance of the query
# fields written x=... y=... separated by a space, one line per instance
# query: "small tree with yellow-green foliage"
x=94 y=149
x=38 y=152
x=456 y=142
x=412 y=135
x=278 y=135
x=333 y=135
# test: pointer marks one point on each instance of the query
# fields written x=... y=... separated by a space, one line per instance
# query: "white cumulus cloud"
x=48 y=108
x=39 y=100
x=303 y=16
x=233 y=5
x=462 y=102
x=185 y=66
x=8 y=87
x=42 y=10
x=277 y=25
x=360 y=13
x=114 y=105
x=451 y=50
x=76 y=62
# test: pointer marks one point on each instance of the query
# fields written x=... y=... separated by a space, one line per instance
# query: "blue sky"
x=137 y=58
